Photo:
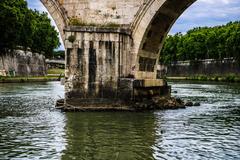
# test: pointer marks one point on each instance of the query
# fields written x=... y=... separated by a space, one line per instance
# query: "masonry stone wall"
x=95 y=61
x=204 y=67
x=23 y=63
x=102 y=11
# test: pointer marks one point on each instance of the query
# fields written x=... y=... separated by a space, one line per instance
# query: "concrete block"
x=149 y=83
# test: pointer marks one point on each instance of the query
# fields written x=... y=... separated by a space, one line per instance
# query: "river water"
x=30 y=127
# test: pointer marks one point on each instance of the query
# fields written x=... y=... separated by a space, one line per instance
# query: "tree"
x=12 y=15
x=203 y=42
x=45 y=37
x=24 y=27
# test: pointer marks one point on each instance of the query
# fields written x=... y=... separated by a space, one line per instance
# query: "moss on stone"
x=78 y=22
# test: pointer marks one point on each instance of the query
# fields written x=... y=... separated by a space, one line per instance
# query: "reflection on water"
x=110 y=136
x=30 y=127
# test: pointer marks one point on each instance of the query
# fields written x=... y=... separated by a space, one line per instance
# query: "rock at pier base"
x=196 y=104
x=155 y=103
x=189 y=104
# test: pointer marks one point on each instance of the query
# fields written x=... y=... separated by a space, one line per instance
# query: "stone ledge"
x=94 y=29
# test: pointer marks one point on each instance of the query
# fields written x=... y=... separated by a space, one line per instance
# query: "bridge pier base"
x=130 y=95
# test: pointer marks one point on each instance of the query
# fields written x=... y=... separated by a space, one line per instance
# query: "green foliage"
x=216 y=78
x=78 y=22
x=203 y=43
x=71 y=38
x=59 y=54
x=56 y=71
x=203 y=78
x=111 y=25
x=12 y=14
x=21 y=26
x=230 y=78
x=45 y=37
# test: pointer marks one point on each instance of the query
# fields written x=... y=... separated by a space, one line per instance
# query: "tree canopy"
x=217 y=42
x=20 y=26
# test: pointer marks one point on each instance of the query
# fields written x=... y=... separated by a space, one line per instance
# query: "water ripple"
x=30 y=127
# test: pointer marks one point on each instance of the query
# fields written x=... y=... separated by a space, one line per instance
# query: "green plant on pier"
x=72 y=38
x=111 y=25
x=76 y=22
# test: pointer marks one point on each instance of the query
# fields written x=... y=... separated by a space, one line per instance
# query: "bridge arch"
x=149 y=29
x=58 y=13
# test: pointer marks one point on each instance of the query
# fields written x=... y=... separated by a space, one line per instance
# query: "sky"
x=201 y=13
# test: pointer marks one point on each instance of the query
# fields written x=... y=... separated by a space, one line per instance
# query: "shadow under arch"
x=149 y=30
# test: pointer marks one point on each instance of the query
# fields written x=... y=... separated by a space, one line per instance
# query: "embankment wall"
x=204 y=67
x=22 y=63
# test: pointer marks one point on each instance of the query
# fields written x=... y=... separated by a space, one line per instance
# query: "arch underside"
x=58 y=13
x=150 y=32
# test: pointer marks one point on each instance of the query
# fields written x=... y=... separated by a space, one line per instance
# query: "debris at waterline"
x=156 y=103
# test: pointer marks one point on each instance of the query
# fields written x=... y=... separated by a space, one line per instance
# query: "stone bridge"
x=113 y=46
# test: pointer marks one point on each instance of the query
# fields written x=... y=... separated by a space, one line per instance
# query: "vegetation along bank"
x=27 y=39
x=204 y=53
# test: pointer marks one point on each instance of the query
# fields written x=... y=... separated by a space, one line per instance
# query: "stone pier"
x=98 y=67
x=112 y=46
x=96 y=59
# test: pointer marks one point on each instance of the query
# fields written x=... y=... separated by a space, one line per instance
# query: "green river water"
x=30 y=127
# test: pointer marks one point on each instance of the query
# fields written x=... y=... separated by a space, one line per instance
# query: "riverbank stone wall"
x=204 y=67
x=21 y=63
